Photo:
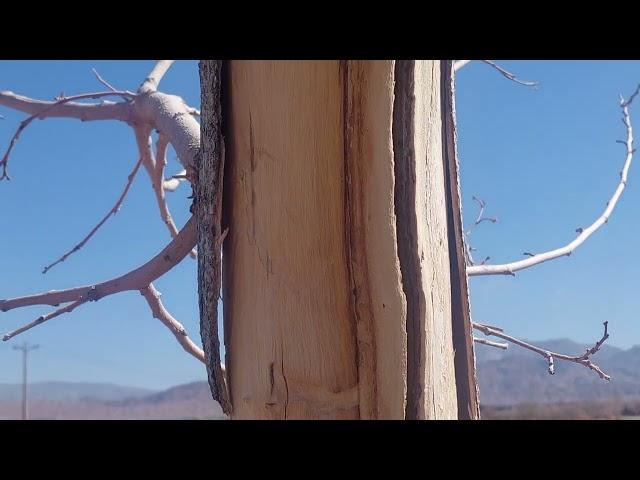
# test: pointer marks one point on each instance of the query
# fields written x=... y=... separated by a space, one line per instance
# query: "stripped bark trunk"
x=343 y=281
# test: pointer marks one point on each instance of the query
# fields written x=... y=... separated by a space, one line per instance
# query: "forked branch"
x=479 y=219
x=143 y=111
x=9 y=99
x=136 y=279
x=584 y=359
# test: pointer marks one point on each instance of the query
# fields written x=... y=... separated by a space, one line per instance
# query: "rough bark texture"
x=462 y=332
x=208 y=204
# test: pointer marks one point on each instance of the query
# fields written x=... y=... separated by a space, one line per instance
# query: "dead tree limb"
x=583 y=233
x=584 y=359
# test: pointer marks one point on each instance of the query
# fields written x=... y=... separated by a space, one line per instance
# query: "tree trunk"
x=344 y=288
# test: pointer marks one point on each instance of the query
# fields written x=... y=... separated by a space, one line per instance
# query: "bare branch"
x=136 y=279
x=158 y=186
x=152 y=81
x=81 y=111
x=115 y=209
x=42 y=113
x=479 y=219
x=458 y=64
x=152 y=296
x=502 y=346
x=626 y=103
x=583 y=233
x=486 y=325
x=511 y=76
x=43 y=318
x=157 y=180
x=584 y=359
x=103 y=81
x=155 y=169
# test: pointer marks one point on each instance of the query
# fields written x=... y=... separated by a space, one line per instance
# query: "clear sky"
x=546 y=162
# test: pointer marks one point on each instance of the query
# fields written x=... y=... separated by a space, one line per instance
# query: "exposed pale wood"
x=287 y=298
x=421 y=210
x=317 y=307
x=379 y=303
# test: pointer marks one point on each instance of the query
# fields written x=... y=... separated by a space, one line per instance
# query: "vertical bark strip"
x=208 y=204
x=422 y=213
x=466 y=384
x=405 y=198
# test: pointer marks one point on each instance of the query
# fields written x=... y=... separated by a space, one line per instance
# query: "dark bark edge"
x=208 y=205
x=464 y=361
x=407 y=229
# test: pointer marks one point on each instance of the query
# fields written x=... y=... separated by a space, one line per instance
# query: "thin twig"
x=584 y=359
x=458 y=64
x=583 y=233
x=493 y=327
x=511 y=76
x=115 y=209
x=103 y=81
x=479 y=219
x=502 y=346
x=107 y=84
x=43 y=318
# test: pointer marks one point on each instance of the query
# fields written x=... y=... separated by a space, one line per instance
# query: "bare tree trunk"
x=344 y=287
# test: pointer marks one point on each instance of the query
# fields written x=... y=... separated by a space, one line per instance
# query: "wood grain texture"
x=337 y=296
x=421 y=209
x=378 y=300
x=291 y=338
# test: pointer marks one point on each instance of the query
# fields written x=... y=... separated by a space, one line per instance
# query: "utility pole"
x=25 y=348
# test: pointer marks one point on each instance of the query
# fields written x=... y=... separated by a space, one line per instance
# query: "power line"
x=25 y=348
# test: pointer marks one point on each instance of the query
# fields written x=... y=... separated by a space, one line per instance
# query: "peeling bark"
x=208 y=205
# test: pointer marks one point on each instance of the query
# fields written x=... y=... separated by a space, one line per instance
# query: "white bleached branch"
x=458 y=64
x=583 y=233
x=584 y=359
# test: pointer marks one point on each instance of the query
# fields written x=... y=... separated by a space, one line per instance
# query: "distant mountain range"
x=516 y=375
x=71 y=391
x=95 y=401
x=505 y=378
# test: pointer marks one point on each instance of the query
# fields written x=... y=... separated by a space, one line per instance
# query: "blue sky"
x=546 y=162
